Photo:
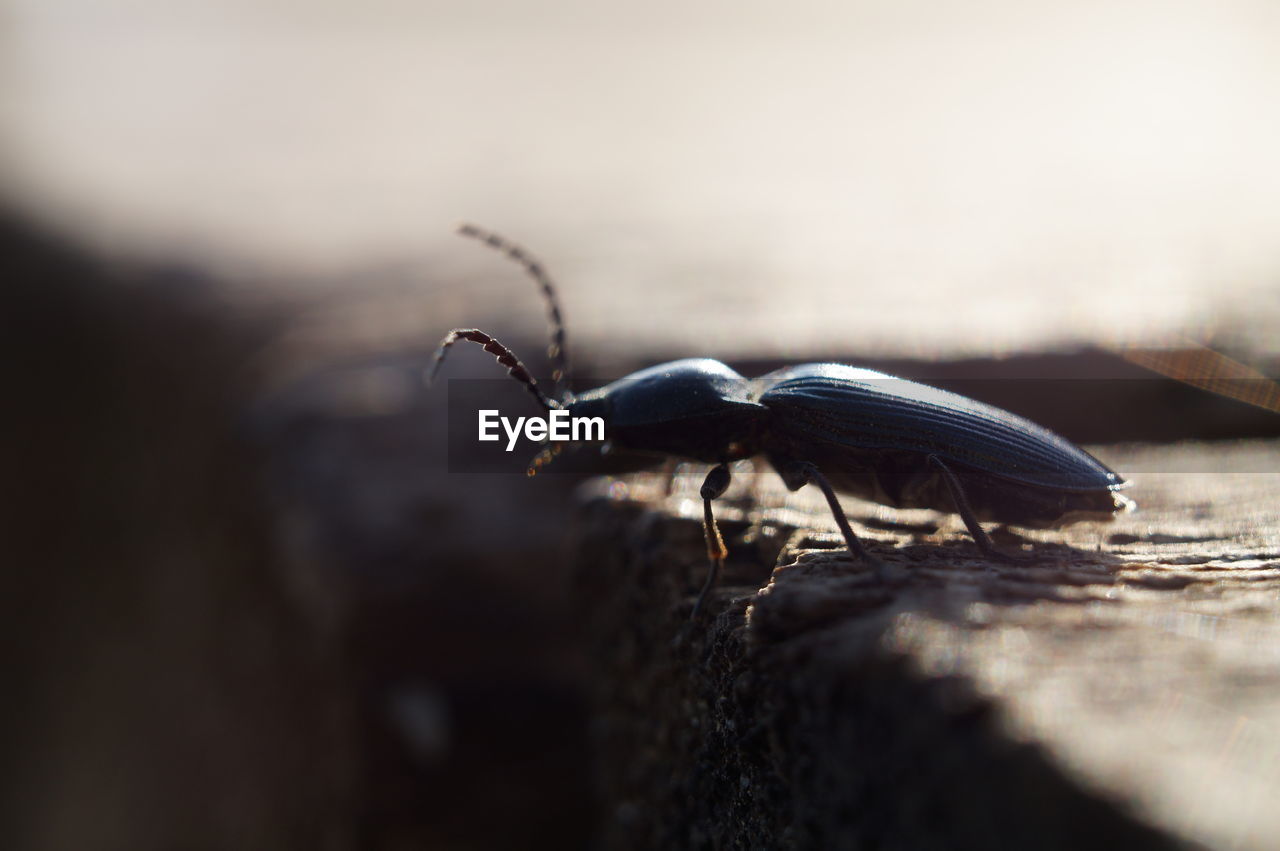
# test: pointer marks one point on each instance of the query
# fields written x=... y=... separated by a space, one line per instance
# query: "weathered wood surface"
x=1122 y=691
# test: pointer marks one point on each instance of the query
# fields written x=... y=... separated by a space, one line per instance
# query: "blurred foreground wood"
x=171 y=671
x=1123 y=691
x=246 y=614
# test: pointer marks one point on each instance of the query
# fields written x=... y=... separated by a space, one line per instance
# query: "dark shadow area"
x=229 y=623
x=166 y=685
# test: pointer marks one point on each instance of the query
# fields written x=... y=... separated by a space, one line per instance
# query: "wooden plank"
x=1125 y=688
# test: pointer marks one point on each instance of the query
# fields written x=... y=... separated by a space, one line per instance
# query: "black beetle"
x=843 y=429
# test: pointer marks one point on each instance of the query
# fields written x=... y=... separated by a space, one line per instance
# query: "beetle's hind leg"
x=716 y=483
x=961 y=502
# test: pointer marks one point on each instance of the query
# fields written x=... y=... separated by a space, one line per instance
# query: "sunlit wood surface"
x=1141 y=659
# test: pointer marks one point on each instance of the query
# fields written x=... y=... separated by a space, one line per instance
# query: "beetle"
x=839 y=428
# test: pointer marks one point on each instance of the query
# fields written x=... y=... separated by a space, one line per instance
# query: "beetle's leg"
x=756 y=513
x=716 y=483
x=669 y=476
x=980 y=536
x=545 y=456
x=856 y=550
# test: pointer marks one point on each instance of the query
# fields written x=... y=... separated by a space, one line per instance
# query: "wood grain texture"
x=1122 y=689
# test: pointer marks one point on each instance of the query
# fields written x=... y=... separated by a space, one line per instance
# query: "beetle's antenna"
x=557 y=351
x=504 y=355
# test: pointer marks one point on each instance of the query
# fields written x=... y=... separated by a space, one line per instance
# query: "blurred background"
x=251 y=607
x=1050 y=174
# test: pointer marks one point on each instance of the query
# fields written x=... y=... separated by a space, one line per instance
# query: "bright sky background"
x=715 y=177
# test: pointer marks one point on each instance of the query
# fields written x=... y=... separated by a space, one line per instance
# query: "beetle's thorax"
x=695 y=408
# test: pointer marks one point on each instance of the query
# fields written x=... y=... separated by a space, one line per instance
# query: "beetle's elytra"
x=843 y=429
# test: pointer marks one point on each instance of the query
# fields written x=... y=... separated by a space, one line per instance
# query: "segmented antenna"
x=504 y=355
x=557 y=351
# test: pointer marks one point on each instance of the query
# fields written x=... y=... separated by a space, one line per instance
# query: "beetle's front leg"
x=716 y=483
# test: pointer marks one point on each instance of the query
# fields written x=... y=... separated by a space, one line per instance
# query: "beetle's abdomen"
x=908 y=480
x=848 y=411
